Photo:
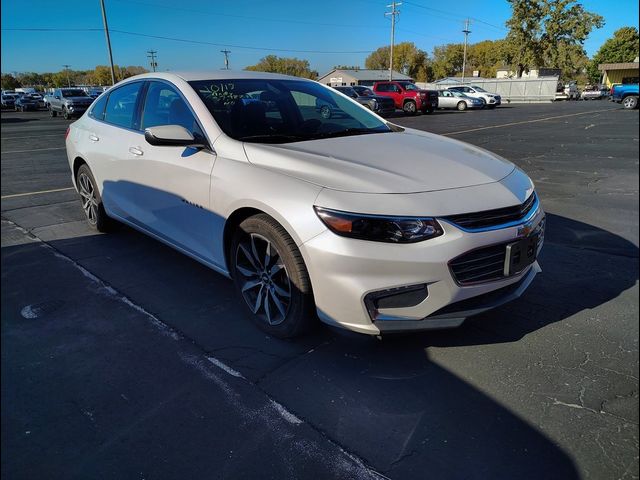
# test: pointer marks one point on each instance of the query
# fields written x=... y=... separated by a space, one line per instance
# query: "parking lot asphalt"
x=122 y=358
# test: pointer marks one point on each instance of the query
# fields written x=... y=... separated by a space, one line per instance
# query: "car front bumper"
x=344 y=272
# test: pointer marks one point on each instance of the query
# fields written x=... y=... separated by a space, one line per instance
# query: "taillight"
x=66 y=134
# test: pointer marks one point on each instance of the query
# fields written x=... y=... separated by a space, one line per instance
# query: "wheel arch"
x=77 y=163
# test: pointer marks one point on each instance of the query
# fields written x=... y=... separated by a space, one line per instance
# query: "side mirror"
x=171 y=136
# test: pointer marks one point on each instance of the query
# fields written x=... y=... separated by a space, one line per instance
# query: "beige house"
x=349 y=78
x=616 y=73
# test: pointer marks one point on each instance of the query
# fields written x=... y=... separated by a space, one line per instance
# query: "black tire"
x=409 y=107
x=295 y=314
x=462 y=106
x=52 y=112
x=65 y=113
x=630 y=102
x=97 y=217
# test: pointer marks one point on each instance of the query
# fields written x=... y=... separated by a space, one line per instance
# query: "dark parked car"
x=25 y=102
x=8 y=100
x=377 y=103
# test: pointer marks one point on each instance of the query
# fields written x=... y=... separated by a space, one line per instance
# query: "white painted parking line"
x=36 y=193
x=34 y=136
x=525 y=122
x=34 y=150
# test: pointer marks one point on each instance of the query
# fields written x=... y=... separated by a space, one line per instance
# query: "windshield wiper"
x=273 y=138
x=348 y=132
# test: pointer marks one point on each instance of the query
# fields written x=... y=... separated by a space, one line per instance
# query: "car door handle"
x=135 y=151
x=93 y=137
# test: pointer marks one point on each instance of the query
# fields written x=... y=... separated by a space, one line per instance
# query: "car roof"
x=216 y=75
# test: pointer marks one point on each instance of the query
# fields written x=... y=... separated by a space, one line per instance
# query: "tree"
x=548 y=33
x=284 y=65
x=447 y=60
x=9 y=82
x=407 y=59
x=622 y=47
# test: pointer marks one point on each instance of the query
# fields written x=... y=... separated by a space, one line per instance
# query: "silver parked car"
x=351 y=219
x=457 y=100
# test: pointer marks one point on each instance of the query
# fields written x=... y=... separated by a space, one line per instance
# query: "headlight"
x=379 y=228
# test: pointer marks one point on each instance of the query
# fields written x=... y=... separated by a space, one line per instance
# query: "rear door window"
x=121 y=105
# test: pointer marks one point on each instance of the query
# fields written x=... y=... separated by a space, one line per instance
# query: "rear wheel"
x=91 y=200
x=271 y=278
x=65 y=113
x=52 y=113
x=630 y=102
x=409 y=107
x=462 y=106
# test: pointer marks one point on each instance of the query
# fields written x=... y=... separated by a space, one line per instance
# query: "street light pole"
x=106 y=32
x=66 y=67
x=226 y=58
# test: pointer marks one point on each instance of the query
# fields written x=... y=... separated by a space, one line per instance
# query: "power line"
x=247 y=47
x=184 y=40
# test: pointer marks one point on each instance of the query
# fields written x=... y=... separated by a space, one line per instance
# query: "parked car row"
x=386 y=97
x=76 y=99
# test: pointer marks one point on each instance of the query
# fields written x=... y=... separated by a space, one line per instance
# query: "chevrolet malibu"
x=351 y=219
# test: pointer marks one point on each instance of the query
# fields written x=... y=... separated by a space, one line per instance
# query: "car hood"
x=396 y=162
x=78 y=99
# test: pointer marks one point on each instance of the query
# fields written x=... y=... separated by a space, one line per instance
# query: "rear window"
x=97 y=110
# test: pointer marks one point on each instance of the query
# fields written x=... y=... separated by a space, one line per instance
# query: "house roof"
x=366 y=74
x=619 y=66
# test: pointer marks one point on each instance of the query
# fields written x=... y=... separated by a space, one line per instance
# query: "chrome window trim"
x=514 y=223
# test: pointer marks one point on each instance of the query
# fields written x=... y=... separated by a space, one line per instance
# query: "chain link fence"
x=512 y=90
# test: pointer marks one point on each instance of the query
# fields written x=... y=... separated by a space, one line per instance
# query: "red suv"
x=408 y=96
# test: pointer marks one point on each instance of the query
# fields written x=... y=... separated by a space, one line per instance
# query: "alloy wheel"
x=265 y=283
x=89 y=200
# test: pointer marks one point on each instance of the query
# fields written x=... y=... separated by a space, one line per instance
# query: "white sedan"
x=367 y=225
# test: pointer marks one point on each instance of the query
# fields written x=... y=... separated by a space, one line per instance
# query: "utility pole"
x=393 y=14
x=226 y=58
x=66 y=68
x=152 y=59
x=466 y=32
x=106 y=32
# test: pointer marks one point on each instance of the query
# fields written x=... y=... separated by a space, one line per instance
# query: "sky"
x=327 y=33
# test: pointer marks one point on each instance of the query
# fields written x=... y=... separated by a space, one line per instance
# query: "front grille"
x=480 y=265
x=493 y=218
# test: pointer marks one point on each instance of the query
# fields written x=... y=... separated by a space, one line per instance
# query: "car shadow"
x=385 y=400
x=4 y=119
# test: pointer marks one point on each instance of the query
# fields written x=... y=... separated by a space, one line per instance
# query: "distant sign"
x=335 y=79
x=476 y=73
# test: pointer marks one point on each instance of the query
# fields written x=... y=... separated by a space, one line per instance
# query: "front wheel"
x=409 y=108
x=630 y=102
x=91 y=200
x=271 y=278
x=65 y=114
x=52 y=113
x=462 y=106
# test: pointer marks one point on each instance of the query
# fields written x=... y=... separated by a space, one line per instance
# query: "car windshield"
x=478 y=89
x=410 y=86
x=283 y=111
x=365 y=92
x=457 y=93
x=73 y=93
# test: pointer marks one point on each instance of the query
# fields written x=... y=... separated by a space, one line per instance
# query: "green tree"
x=548 y=33
x=407 y=59
x=622 y=47
x=9 y=82
x=447 y=60
x=284 y=65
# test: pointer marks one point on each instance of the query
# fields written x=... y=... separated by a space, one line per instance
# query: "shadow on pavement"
x=384 y=400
